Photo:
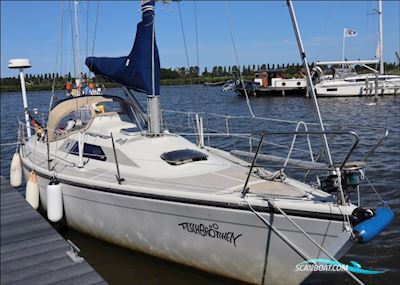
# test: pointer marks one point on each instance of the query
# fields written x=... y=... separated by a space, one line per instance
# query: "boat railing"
x=294 y=137
x=298 y=137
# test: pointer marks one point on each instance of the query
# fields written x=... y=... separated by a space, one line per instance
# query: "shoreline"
x=164 y=82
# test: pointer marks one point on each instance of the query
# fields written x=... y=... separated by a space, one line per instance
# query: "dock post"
x=376 y=87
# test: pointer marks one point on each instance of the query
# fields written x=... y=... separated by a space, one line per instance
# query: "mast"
x=153 y=99
x=381 y=62
x=309 y=80
x=344 y=42
x=75 y=43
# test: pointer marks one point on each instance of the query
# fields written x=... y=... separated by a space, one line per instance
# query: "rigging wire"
x=197 y=38
x=237 y=60
x=87 y=30
x=326 y=24
x=58 y=52
x=72 y=38
x=367 y=19
x=94 y=38
x=184 y=41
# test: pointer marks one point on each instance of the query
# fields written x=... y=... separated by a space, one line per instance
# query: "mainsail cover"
x=135 y=70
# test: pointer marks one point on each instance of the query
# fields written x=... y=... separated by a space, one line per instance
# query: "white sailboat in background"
x=123 y=176
x=346 y=82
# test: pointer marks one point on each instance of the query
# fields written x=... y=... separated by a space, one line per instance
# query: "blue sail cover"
x=135 y=70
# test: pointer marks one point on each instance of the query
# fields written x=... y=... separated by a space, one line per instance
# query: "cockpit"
x=79 y=113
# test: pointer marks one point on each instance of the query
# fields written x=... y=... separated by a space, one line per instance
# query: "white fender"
x=32 y=190
x=16 y=171
x=54 y=201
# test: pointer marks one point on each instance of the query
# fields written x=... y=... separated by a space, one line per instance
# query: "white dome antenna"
x=19 y=63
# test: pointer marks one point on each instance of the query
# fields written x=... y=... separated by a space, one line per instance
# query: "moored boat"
x=273 y=82
x=127 y=179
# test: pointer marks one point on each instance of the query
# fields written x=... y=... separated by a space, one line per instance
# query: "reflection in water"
x=121 y=266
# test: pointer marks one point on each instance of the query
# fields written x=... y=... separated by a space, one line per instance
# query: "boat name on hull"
x=210 y=231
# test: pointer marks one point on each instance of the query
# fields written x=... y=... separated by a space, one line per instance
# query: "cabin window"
x=121 y=108
x=112 y=106
x=74 y=120
x=331 y=89
x=183 y=156
x=89 y=151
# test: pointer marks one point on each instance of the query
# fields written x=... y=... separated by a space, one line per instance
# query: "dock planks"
x=32 y=252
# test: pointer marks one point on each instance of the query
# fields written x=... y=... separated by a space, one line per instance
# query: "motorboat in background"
x=346 y=81
x=230 y=85
x=273 y=82
x=122 y=175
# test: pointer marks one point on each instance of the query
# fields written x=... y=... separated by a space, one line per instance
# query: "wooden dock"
x=32 y=251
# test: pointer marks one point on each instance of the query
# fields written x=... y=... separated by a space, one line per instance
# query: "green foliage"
x=169 y=76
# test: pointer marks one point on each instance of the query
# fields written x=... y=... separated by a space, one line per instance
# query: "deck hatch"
x=182 y=156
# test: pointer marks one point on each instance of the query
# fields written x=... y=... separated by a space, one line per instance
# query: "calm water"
x=120 y=266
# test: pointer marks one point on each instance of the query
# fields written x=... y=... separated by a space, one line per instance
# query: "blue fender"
x=371 y=228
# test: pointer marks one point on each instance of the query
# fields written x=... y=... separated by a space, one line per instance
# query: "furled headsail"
x=134 y=71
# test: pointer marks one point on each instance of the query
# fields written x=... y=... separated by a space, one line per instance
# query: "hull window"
x=331 y=89
x=89 y=151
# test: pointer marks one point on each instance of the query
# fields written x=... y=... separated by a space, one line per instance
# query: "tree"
x=235 y=69
x=220 y=70
x=205 y=73
x=214 y=71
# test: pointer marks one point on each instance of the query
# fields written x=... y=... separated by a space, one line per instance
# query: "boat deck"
x=223 y=174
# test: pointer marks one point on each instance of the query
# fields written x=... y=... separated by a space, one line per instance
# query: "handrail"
x=263 y=134
x=377 y=145
x=357 y=139
x=230 y=118
x=229 y=121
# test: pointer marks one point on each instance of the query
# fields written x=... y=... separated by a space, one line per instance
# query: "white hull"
x=193 y=212
x=246 y=249
x=348 y=87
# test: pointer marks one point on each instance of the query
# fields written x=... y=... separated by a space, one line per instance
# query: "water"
x=121 y=266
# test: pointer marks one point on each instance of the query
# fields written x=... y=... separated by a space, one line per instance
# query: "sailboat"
x=345 y=82
x=120 y=175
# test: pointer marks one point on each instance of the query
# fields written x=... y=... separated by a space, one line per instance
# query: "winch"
x=351 y=174
x=349 y=180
